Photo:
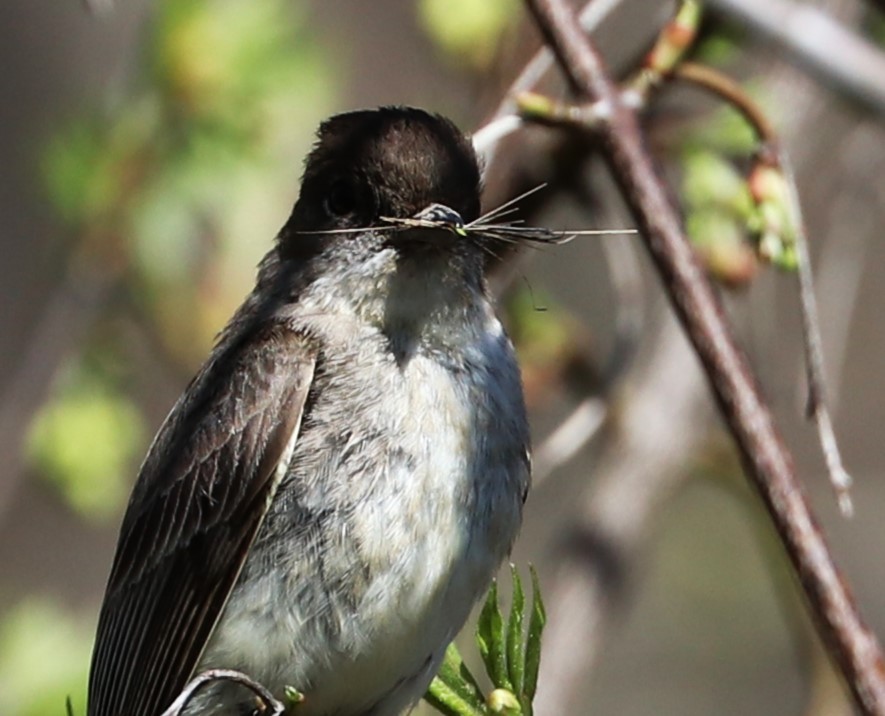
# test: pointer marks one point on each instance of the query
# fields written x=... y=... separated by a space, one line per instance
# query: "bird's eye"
x=341 y=199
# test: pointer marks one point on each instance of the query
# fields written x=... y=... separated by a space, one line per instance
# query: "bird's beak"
x=434 y=216
x=442 y=217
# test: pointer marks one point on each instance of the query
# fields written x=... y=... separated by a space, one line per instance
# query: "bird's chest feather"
x=402 y=496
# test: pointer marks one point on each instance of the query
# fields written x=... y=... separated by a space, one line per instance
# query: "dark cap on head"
x=392 y=161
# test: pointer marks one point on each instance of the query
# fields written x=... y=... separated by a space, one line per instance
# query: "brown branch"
x=726 y=88
x=591 y=16
x=766 y=458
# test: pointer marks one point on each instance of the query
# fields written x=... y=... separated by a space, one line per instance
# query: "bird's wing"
x=201 y=496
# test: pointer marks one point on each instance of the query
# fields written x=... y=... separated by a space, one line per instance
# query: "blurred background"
x=150 y=152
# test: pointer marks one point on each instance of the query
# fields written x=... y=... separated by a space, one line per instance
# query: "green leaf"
x=454 y=691
x=515 y=643
x=510 y=659
x=711 y=180
x=492 y=640
x=447 y=702
x=533 y=641
x=455 y=675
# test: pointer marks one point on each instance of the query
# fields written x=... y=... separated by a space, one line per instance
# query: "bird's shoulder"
x=212 y=451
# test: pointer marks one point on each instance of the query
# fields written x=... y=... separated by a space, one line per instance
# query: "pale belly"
x=380 y=541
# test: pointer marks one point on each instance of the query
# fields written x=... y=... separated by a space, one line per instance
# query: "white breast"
x=423 y=501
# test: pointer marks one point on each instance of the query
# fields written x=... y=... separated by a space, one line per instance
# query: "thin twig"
x=766 y=458
x=714 y=81
x=504 y=120
x=814 y=358
x=269 y=702
x=726 y=88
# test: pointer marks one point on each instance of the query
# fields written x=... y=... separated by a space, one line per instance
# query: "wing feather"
x=199 y=501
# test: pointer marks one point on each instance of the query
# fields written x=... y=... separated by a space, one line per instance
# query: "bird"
x=338 y=484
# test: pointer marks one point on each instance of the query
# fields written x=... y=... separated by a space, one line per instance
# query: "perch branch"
x=766 y=458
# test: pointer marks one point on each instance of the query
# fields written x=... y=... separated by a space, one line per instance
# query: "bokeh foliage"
x=43 y=656
x=170 y=193
x=178 y=190
x=468 y=32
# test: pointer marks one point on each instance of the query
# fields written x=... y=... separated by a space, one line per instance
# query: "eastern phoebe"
x=339 y=483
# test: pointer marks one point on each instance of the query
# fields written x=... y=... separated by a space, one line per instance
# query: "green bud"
x=502 y=701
